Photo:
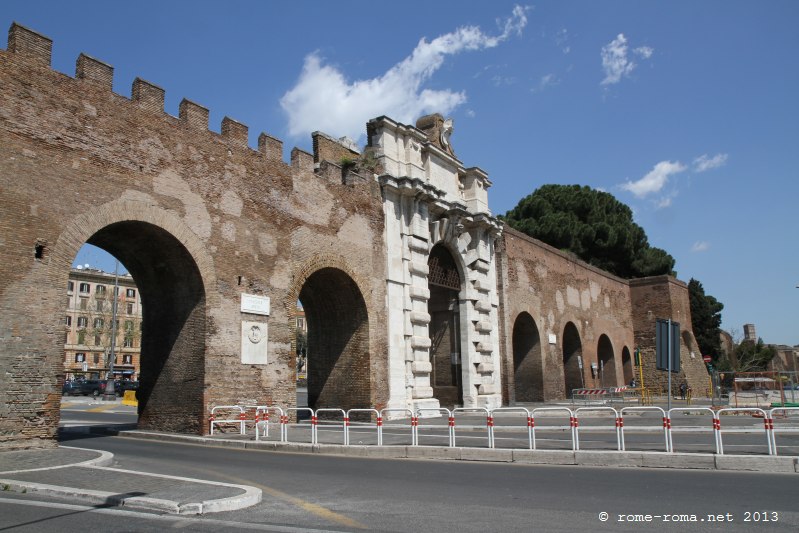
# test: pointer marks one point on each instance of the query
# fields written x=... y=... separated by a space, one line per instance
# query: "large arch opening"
x=572 y=359
x=527 y=362
x=627 y=365
x=444 y=282
x=338 y=366
x=172 y=327
x=607 y=363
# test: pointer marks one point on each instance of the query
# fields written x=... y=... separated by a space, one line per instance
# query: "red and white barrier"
x=611 y=412
x=236 y=410
x=664 y=424
x=439 y=410
x=529 y=419
x=488 y=417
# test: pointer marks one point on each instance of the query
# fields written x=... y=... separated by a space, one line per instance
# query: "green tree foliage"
x=752 y=357
x=593 y=225
x=706 y=319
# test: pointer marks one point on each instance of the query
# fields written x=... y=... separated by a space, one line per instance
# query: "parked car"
x=121 y=386
x=71 y=388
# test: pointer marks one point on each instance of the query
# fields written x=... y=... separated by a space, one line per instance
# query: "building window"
x=128 y=342
x=83 y=321
x=68 y=321
x=70 y=287
x=84 y=303
x=84 y=288
x=130 y=293
x=97 y=340
x=81 y=337
x=99 y=305
x=99 y=290
x=127 y=359
x=97 y=359
x=130 y=308
x=80 y=357
x=98 y=323
x=129 y=326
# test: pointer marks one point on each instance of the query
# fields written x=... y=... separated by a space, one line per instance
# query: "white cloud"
x=655 y=180
x=615 y=62
x=547 y=80
x=703 y=162
x=664 y=202
x=323 y=99
x=562 y=40
x=700 y=246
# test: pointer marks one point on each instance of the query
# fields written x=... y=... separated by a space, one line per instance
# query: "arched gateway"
x=223 y=239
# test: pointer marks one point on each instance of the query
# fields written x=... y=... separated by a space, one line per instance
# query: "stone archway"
x=627 y=365
x=339 y=369
x=607 y=362
x=444 y=283
x=572 y=354
x=173 y=323
x=172 y=270
x=528 y=368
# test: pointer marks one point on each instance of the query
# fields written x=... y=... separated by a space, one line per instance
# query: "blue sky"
x=685 y=111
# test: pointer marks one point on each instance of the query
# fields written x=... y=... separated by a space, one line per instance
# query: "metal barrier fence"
x=672 y=421
x=239 y=413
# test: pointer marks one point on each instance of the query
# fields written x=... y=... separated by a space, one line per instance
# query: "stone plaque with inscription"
x=253 y=342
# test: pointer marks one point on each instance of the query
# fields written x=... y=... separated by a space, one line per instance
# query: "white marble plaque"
x=553 y=339
x=255 y=304
x=253 y=343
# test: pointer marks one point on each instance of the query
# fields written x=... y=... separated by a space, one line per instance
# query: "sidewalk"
x=78 y=473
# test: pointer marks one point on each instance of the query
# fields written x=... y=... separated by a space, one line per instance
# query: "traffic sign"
x=707 y=358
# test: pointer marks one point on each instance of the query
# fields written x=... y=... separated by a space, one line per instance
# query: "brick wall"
x=558 y=291
x=198 y=218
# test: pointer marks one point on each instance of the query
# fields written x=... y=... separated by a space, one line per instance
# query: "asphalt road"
x=313 y=492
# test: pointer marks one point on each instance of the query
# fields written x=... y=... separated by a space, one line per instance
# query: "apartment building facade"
x=88 y=324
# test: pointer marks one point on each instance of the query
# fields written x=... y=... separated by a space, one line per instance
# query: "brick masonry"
x=200 y=218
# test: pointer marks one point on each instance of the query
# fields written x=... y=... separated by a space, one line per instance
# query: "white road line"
x=176 y=521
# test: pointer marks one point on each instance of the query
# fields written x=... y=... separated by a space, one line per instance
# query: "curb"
x=592 y=458
x=250 y=496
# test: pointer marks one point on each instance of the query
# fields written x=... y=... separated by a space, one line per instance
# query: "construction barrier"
x=570 y=427
x=238 y=413
x=772 y=414
x=528 y=419
x=263 y=422
x=754 y=411
x=576 y=424
x=681 y=428
x=386 y=414
x=378 y=424
x=488 y=418
x=439 y=410
x=297 y=411
x=672 y=422
x=345 y=421
x=130 y=398
x=664 y=424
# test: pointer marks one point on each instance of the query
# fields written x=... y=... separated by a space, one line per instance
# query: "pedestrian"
x=683 y=389
x=633 y=383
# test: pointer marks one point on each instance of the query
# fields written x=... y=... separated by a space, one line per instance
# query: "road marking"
x=312 y=508
x=176 y=521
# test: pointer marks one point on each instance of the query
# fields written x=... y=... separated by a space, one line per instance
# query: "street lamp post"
x=110 y=394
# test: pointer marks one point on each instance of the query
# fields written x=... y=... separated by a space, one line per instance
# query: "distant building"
x=749 y=333
x=88 y=322
x=786 y=359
